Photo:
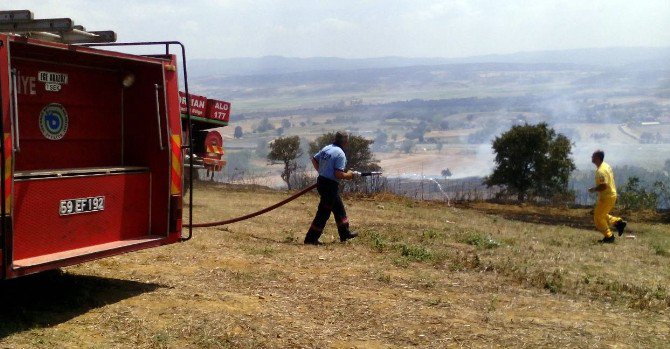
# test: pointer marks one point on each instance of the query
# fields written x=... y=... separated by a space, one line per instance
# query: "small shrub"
x=378 y=242
x=384 y=278
x=434 y=302
x=635 y=197
x=415 y=253
x=456 y=266
x=430 y=234
x=493 y=305
x=161 y=339
x=554 y=281
x=401 y=262
x=480 y=241
x=460 y=260
x=288 y=236
x=660 y=249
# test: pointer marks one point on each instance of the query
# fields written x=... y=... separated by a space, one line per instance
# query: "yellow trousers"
x=601 y=215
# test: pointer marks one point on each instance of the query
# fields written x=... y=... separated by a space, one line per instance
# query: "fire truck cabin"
x=206 y=116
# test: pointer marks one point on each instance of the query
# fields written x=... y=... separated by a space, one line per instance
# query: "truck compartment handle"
x=15 y=111
x=158 y=116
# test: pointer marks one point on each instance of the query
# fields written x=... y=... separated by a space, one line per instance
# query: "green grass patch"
x=430 y=234
x=265 y=251
x=480 y=241
x=660 y=248
x=415 y=253
x=401 y=262
x=378 y=242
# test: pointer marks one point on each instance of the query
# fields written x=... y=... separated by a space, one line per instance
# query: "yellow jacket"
x=605 y=175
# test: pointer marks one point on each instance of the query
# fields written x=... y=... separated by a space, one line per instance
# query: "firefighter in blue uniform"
x=331 y=162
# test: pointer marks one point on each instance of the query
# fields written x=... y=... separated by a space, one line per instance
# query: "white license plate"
x=83 y=205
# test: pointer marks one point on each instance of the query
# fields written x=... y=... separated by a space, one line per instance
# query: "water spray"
x=439 y=186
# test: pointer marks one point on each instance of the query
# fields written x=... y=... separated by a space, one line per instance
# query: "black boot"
x=344 y=236
x=312 y=238
x=608 y=240
x=620 y=226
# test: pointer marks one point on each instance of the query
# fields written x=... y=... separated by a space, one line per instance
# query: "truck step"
x=89 y=252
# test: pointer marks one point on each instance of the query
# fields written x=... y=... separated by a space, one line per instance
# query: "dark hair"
x=599 y=154
x=340 y=137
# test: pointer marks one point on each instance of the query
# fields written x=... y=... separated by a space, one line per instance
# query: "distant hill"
x=361 y=82
x=284 y=65
x=604 y=57
x=628 y=57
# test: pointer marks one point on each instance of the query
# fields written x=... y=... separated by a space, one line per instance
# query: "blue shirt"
x=331 y=158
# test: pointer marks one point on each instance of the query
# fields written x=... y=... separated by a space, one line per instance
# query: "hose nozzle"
x=373 y=173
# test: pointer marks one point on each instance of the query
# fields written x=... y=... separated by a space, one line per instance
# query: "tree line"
x=532 y=161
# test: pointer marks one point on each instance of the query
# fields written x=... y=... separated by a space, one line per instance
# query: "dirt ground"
x=421 y=275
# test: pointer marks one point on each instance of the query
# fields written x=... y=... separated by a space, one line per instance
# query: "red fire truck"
x=93 y=145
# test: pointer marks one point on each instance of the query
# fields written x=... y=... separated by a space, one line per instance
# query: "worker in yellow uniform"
x=607 y=196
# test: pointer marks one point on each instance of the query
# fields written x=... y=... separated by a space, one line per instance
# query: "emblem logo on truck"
x=53 y=121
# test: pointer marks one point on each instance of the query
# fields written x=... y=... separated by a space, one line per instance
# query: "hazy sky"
x=369 y=28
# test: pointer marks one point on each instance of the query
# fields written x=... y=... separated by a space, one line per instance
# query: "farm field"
x=421 y=275
x=465 y=160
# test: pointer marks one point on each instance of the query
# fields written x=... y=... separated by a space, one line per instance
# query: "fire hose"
x=270 y=208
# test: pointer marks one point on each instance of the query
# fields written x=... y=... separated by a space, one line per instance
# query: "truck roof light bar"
x=18 y=15
x=61 y=30
x=34 y=25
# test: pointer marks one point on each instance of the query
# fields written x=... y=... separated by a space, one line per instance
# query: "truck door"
x=91 y=171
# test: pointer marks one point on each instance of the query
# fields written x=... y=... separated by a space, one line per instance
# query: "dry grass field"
x=421 y=275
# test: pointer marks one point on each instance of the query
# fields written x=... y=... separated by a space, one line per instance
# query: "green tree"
x=265 y=125
x=444 y=124
x=359 y=155
x=418 y=132
x=532 y=160
x=381 y=140
x=286 y=150
x=238 y=132
x=407 y=146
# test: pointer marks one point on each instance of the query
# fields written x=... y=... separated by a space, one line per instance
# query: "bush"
x=634 y=197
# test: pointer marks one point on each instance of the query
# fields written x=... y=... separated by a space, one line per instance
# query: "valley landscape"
x=427 y=118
